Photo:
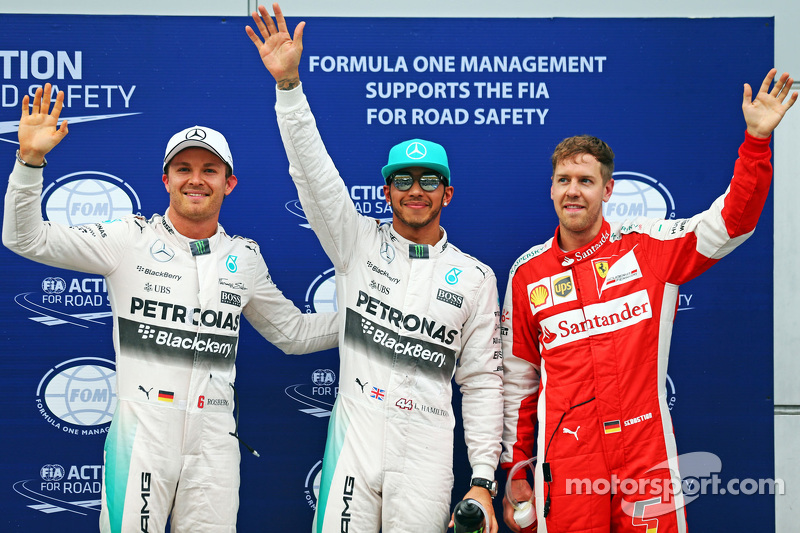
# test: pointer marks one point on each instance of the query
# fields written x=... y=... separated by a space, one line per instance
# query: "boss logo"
x=450 y=298
x=230 y=298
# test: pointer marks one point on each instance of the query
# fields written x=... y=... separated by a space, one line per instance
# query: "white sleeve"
x=323 y=194
x=94 y=248
x=521 y=368
x=276 y=318
x=480 y=377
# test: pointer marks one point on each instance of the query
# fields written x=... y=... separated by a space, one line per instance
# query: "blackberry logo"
x=367 y=327
x=146 y=331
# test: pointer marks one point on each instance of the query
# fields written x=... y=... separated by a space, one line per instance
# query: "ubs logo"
x=87 y=197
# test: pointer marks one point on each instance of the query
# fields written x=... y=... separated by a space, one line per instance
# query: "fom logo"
x=88 y=197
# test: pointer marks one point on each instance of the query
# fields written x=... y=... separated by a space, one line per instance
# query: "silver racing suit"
x=411 y=317
x=176 y=306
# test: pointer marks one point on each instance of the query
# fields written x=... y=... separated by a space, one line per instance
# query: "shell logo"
x=539 y=295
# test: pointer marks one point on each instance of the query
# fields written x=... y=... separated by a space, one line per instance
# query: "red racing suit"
x=586 y=338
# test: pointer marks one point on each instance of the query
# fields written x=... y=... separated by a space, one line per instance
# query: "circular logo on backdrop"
x=323 y=377
x=54 y=285
x=312 y=485
x=88 y=197
x=671 y=394
x=52 y=472
x=321 y=294
x=78 y=396
x=638 y=195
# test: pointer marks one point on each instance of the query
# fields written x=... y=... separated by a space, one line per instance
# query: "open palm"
x=38 y=126
x=764 y=112
x=279 y=51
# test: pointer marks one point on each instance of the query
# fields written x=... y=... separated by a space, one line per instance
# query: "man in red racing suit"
x=587 y=322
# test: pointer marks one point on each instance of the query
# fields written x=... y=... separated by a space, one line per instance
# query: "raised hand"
x=38 y=126
x=766 y=111
x=279 y=52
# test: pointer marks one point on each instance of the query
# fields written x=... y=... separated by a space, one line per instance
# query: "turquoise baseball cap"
x=417 y=153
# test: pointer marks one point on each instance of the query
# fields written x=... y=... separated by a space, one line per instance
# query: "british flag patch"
x=377 y=393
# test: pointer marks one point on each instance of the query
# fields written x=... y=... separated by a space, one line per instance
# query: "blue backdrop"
x=499 y=94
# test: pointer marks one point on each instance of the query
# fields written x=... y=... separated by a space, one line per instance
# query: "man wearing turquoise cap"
x=414 y=312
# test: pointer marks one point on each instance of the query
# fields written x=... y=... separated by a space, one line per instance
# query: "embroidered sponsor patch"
x=450 y=298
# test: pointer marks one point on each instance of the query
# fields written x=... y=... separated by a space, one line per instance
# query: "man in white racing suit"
x=172 y=448
x=414 y=311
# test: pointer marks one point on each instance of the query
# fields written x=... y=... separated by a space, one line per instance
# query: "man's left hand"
x=279 y=51
x=482 y=496
x=766 y=111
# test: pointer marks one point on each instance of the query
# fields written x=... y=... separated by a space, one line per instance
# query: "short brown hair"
x=572 y=147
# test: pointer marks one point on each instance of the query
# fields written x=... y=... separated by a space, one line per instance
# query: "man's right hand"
x=38 y=127
x=521 y=490
x=279 y=52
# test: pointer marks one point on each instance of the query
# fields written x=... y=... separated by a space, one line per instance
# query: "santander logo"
x=595 y=319
x=548 y=336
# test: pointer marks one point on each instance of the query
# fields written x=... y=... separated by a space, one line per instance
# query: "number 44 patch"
x=402 y=403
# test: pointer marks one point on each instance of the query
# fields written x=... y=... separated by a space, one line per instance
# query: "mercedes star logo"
x=387 y=252
x=416 y=150
x=196 y=133
x=161 y=252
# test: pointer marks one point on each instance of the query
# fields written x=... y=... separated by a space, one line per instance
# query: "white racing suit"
x=411 y=317
x=176 y=305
